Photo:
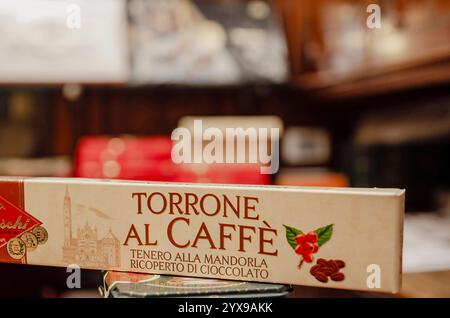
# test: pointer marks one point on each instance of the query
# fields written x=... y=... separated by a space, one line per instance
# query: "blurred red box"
x=149 y=159
x=143 y=158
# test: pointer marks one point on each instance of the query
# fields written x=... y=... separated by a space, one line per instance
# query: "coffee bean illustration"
x=337 y=277
x=328 y=268
x=340 y=263
x=321 y=277
x=333 y=265
x=314 y=269
x=322 y=262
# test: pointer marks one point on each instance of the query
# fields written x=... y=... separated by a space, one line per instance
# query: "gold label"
x=16 y=248
x=41 y=234
x=30 y=241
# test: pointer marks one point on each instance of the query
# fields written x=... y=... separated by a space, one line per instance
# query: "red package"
x=149 y=159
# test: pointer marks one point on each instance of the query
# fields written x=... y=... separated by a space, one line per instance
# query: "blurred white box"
x=61 y=41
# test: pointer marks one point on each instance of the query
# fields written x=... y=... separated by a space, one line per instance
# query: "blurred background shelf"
x=328 y=85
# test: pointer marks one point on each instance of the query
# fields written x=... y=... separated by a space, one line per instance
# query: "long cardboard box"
x=330 y=237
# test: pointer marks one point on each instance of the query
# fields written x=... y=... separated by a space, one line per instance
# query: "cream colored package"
x=329 y=237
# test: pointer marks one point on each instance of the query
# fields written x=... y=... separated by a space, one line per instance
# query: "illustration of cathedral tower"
x=67 y=219
x=86 y=248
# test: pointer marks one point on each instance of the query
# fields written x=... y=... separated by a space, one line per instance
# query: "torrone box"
x=329 y=237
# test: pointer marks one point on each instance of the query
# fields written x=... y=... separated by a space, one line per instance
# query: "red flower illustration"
x=308 y=244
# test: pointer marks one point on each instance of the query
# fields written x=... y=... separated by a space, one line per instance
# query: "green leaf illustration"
x=291 y=233
x=324 y=234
